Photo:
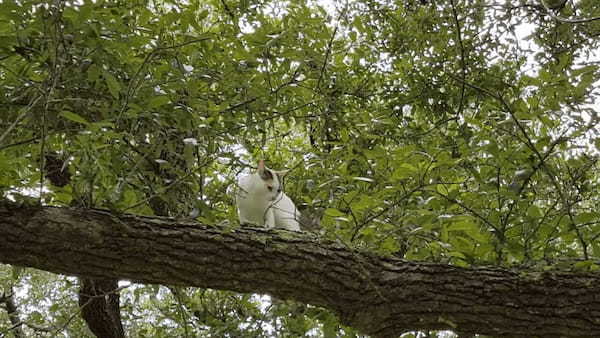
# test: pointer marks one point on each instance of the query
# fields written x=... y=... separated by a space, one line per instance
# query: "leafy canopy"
x=451 y=131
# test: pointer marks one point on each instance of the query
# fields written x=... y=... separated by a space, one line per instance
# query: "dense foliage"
x=450 y=131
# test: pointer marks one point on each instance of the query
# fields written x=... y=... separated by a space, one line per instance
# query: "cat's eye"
x=270 y=188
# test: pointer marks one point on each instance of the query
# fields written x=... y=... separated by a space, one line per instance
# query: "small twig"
x=329 y=48
x=272 y=117
x=240 y=104
x=55 y=76
x=436 y=126
x=527 y=179
x=327 y=54
x=253 y=99
x=31 y=83
x=18 y=119
x=467 y=208
x=161 y=191
x=462 y=59
x=227 y=10
x=182 y=308
x=388 y=207
x=542 y=162
x=132 y=87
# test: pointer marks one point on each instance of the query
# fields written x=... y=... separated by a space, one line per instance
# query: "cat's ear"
x=261 y=166
x=263 y=172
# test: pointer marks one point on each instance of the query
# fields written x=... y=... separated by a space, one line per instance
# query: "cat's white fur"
x=261 y=201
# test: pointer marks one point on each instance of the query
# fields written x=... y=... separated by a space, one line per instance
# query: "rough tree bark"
x=99 y=303
x=380 y=296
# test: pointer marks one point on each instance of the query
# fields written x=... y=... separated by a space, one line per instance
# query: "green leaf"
x=114 y=87
x=159 y=101
x=334 y=212
x=364 y=179
x=16 y=272
x=586 y=217
x=469 y=228
x=188 y=154
x=404 y=171
x=73 y=117
x=202 y=15
x=534 y=212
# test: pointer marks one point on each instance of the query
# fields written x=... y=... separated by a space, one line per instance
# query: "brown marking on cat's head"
x=268 y=176
x=264 y=173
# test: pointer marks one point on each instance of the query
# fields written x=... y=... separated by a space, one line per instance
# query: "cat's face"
x=271 y=180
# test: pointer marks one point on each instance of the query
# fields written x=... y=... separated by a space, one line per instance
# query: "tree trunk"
x=98 y=298
x=380 y=296
x=12 y=312
x=99 y=303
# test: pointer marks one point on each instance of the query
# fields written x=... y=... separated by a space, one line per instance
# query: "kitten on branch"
x=261 y=201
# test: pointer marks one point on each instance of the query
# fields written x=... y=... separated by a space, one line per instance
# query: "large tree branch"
x=380 y=296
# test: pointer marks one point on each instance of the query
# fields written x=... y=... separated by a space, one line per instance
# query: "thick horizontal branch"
x=380 y=296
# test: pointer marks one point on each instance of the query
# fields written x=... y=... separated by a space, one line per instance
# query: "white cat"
x=261 y=201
